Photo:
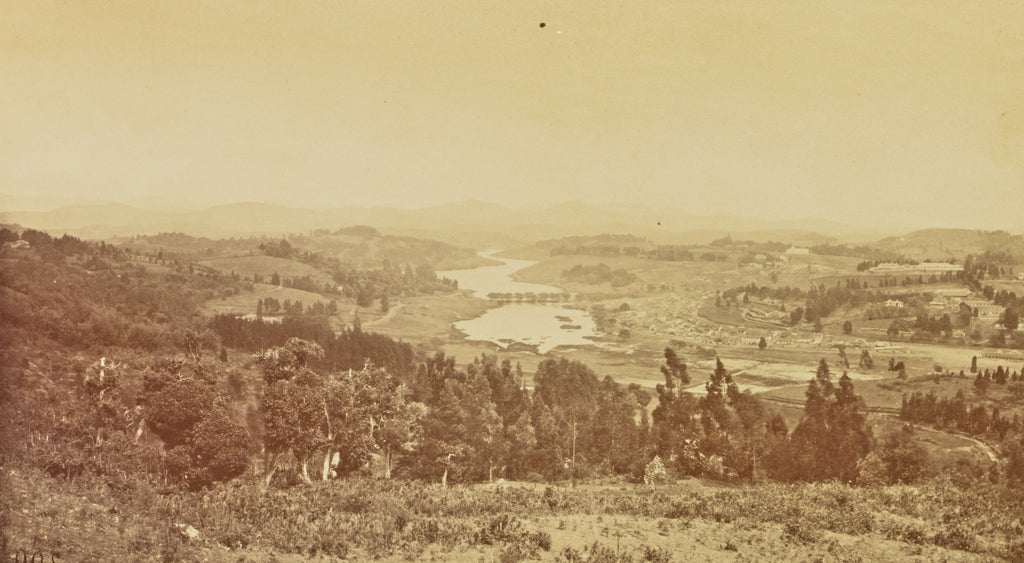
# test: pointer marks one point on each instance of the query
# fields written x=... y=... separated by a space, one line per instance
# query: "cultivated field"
x=266 y=266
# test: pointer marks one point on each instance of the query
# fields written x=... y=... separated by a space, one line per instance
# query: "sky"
x=867 y=112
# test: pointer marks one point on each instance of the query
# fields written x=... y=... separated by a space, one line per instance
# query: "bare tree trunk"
x=387 y=462
x=326 y=473
x=444 y=478
x=269 y=475
x=269 y=468
x=574 y=450
x=305 y=470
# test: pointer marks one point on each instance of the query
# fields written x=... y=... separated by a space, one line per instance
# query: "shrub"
x=507 y=529
x=658 y=554
x=655 y=472
x=956 y=537
x=803 y=531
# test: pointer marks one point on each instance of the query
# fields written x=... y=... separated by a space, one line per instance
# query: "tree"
x=894 y=328
x=974 y=364
x=175 y=402
x=1011 y=319
x=833 y=435
x=484 y=433
x=292 y=405
x=568 y=389
x=672 y=420
x=396 y=421
x=522 y=440
x=796 y=315
x=182 y=407
x=624 y=334
x=762 y=343
x=847 y=327
x=385 y=304
x=344 y=422
x=865 y=360
x=218 y=450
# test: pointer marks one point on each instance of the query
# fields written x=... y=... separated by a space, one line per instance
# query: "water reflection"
x=545 y=326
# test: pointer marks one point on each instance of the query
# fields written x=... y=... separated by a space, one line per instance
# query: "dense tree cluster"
x=872 y=254
x=347 y=349
x=955 y=413
x=54 y=249
x=367 y=286
x=272 y=307
x=732 y=431
x=989 y=265
x=336 y=418
x=483 y=423
x=122 y=305
x=529 y=296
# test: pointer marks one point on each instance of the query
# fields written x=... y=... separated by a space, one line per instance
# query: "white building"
x=938 y=267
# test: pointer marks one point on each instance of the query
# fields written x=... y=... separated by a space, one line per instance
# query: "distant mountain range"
x=484 y=225
x=92 y=219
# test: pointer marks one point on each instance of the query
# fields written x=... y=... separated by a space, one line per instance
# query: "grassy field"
x=266 y=266
x=245 y=303
x=425 y=318
x=724 y=315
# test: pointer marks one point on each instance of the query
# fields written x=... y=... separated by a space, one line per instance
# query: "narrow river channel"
x=544 y=325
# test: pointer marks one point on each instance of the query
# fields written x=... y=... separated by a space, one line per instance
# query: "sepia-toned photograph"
x=575 y=282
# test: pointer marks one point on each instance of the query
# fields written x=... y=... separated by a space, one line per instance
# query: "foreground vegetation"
x=133 y=426
x=362 y=518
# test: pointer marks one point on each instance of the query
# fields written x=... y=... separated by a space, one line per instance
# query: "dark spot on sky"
x=542 y=24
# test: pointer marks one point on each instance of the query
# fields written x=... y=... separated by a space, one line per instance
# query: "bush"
x=803 y=531
x=658 y=554
x=507 y=529
x=655 y=472
x=594 y=553
x=956 y=537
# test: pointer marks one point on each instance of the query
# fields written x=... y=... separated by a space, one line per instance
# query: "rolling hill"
x=947 y=244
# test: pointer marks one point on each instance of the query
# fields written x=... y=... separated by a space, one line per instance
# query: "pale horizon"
x=866 y=114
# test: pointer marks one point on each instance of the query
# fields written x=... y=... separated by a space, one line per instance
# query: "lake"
x=544 y=325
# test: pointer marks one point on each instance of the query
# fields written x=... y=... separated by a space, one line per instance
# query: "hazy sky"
x=871 y=112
